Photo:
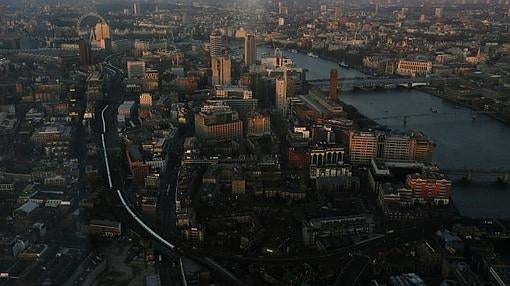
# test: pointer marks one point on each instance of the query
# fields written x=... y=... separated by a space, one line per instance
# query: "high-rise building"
x=257 y=124
x=216 y=44
x=221 y=70
x=219 y=123
x=338 y=13
x=102 y=31
x=438 y=12
x=103 y=36
x=281 y=94
x=94 y=86
x=136 y=69
x=333 y=84
x=136 y=8
x=250 y=50
x=85 y=53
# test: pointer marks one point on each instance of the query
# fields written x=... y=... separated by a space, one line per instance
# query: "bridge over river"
x=502 y=175
x=375 y=82
x=474 y=114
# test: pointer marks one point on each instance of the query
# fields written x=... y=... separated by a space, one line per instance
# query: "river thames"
x=461 y=142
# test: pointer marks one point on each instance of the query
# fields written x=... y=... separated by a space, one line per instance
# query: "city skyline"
x=254 y=142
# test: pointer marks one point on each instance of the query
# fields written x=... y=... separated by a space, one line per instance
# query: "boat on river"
x=344 y=65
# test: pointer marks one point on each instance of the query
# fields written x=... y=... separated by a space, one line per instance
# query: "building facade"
x=281 y=95
x=136 y=69
x=257 y=124
x=216 y=44
x=250 y=50
x=364 y=146
x=413 y=68
x=221 y=123
x=221 y=68
x=429 y=186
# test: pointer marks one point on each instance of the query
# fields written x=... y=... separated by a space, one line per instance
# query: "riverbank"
x=432 y=91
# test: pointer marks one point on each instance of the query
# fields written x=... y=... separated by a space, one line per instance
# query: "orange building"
x=391 y=146
x=430 y=186
x=257 y=124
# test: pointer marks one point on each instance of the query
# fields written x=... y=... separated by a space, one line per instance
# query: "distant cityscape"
x=263 y=142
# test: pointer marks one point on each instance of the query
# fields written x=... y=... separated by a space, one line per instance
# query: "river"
x=460 y=142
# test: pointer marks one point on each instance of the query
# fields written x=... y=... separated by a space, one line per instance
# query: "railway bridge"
x=375 y=82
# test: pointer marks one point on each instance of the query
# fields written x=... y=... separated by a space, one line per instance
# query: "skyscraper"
x=85 y=53
x=333 y=84
x=281 y=94
x=338 y=12
x=102 y=31
x=216 y=44
x=438 y=12
x=221 y=70
x=102 y=35
x=136 y=8
x=250 y=50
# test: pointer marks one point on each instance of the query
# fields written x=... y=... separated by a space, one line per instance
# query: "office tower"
x=281 y=93
x=338 y=13
x=257 y=124
x=102 y=31
x=438 y=12
x=103 y=36
x=136 y=8
x=333 y=84
x=85 y=53
x=250 y=50
x=399 y=147
x=216 y=44
x=282 y=9
x=221 y=69
x=136 y=69
x=219 y=123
